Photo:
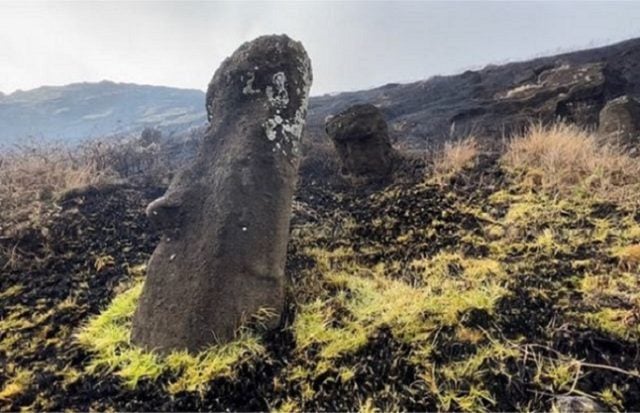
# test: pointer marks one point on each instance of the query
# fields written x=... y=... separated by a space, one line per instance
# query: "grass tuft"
x=629 y=257
x=454 y=158
x=564 y=159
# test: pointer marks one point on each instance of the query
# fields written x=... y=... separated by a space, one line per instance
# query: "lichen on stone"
x=277 y=94
x=290 y=129
x=248 y=88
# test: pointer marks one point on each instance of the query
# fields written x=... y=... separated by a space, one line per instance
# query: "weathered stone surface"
x=620 y=122
x=361 y=139
x=573 y=404
x=225 y=219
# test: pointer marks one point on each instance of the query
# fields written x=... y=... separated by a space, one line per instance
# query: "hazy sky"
x=353 y=45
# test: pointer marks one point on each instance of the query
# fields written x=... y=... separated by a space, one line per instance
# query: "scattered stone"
x=225 y=219
x=620 y=122
x=573 y=404
x=361 y=138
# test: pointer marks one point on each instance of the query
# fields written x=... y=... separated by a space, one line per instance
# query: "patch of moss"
x=619 y=322
x=107 y=337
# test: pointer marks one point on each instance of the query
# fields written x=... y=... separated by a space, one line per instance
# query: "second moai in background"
x=361 y=139
x=619 y=122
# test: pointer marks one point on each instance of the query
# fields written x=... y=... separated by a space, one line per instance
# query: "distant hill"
x=498 y=98
x=488 y=102
x=83 y=110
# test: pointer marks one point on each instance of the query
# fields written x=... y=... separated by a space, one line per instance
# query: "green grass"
x=373 y=300
x=107 y=337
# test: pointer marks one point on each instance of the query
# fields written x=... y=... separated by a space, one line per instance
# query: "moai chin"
x=225 y=219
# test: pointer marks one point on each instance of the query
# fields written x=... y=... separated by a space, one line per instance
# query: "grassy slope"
x=495 y=287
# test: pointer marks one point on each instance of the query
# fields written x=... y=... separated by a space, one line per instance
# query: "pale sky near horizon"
x=353 y=44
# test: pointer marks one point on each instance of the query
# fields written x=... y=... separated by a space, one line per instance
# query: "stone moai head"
x=225 y=219
x=619 y=122
x=361 y=139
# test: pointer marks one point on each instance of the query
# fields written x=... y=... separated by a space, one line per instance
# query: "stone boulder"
x=225 y=219
x=573 y=404
x=361 y=139
x=620 y=122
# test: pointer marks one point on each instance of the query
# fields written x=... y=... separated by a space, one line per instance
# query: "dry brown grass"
x=565 y=159
x=31 y=176
x=455 y=157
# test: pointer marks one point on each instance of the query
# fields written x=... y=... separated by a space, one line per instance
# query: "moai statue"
x=361 y=138
x=225 y=219
x=620 y=122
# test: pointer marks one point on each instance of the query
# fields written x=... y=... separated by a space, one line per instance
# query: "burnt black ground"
x=62 y=264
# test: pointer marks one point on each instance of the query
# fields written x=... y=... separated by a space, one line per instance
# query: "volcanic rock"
x=361 y=138
x=225 y=219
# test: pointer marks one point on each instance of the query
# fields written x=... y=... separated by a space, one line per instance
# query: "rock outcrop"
x=225 y=219
x=573 y=93
x=620 y=122
x=361 y=138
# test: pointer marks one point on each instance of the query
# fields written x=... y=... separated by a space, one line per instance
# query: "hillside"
x=84 y=110
x=430 y=111
x=420 y=113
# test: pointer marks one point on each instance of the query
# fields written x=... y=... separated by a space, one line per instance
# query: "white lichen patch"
x=248 y=88
x=270 y=129
x=286 y=132
x=277 y=94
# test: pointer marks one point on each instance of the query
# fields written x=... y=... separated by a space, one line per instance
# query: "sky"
x=352 y=44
